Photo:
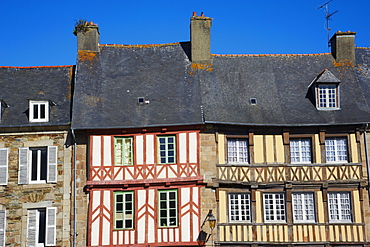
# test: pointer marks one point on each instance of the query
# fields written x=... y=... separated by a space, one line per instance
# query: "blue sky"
x=39 y=32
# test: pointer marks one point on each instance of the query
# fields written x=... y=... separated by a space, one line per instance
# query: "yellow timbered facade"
x=291 y=186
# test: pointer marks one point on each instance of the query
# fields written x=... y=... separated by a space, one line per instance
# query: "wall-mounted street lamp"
x=203 y=237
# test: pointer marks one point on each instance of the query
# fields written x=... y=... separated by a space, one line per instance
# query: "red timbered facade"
x=144 y=188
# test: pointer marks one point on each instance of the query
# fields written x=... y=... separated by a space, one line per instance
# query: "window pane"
x=124 y=210
x=237 y=150
x=300 y=150
x=327 y=95
x=303 y=207
x=123 y=150
x=339 y=207
x=239 y=207
x=336 y=149
x=168 y=208
x=167 y=150
x=274 y=207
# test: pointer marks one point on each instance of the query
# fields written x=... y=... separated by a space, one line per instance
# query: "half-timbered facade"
x=35 y=160
x=291 y=164
x=141 y=118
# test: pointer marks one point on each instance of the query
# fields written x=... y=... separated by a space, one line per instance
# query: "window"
x=336 y=149
x=339 y=207
x=167 y=208
x=167 y=150
x=123 y=148
x=3 y=105
x=37 y=165
x=300 y=150
x=237 y=150
x=303 y=207
x=239 y=207
x=327 y=96
x=39 y=111
x=41 y=228
x=2 y=227
x=274 y=207
x=3 y=166
x=124 y=210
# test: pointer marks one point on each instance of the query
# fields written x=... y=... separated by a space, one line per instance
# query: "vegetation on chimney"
x=83 y=26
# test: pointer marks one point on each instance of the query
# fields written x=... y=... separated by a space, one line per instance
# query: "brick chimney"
x=88 y=36
x=343 y=46
x=200 y=38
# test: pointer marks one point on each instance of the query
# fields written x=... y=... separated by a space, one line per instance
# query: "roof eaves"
x=135 y=126
x=286 y=125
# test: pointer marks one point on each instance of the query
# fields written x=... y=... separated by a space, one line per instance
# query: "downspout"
x=367 y=159
x=74 y=191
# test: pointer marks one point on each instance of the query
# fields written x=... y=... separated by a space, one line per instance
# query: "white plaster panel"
x=95 y=233
x=161 y=174
x=171 y=173
x=106 y=219
x=141 y=194
x=195 y=200
x=139 y=150
x=107 y=151
x=193 y=147
x=132 y=238
x=127 y=174
x=150 y=149
x=151 y=223
x=96 y=151
x=115 y=237
x=118 y=172
x=182 y=147
x=120 y=237
x=185 y=228
x=177 y=237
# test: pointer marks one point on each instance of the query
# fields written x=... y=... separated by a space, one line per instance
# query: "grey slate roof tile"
x=180 y=93
x=20 y=84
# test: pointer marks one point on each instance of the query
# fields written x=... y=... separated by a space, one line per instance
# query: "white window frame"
x=124 y=214
x=337 y=151
x=303 y=207
x=33 y=227
x=168 y=209
x=35 y=116
x=25 y=165
x=339 y=207
x=237 y=151
x=4 y=152
x=166 y=149
x=274 y=207
x=300 y=151
x=327 y=96
x=123 y=151
x=2 y=228
x=239 y=207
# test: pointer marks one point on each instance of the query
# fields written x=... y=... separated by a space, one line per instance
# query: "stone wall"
x=17 y=199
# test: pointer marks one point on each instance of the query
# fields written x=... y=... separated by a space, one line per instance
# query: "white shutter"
x=51 y=218
x=32 y=228
x=3 y=166
x=52 y=164
x=2 y=228
x=23 y=166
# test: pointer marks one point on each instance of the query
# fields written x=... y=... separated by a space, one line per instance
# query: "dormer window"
x=327 y=96
x=325 y=87
x=3 y=105
x=39 y=110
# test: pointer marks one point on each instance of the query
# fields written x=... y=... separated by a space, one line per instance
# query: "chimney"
x=343 y=46
x=88 y=36
x=200 y=38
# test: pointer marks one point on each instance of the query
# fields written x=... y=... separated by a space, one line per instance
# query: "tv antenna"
x=325 y=6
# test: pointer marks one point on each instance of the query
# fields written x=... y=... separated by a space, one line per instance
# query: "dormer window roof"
x=326 y=91
x=39 y=110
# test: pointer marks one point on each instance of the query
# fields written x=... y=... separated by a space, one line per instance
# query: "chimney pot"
x=194 y=13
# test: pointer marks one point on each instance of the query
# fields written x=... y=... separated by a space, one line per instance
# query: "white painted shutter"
x=51 y=225
x=32 y=228
x=52 y=164
x=3 y=166
x=2 y=228
x=23 y=166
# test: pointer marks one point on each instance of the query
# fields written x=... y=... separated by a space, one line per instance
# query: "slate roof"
x=20 y=84
x=109 y=83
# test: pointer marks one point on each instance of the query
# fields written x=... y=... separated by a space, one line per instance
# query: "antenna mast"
x=327 y=17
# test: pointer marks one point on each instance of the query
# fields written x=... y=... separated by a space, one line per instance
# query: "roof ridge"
x=35 y=67
x=365 y=48
x=138 y=46
x=269 y=55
